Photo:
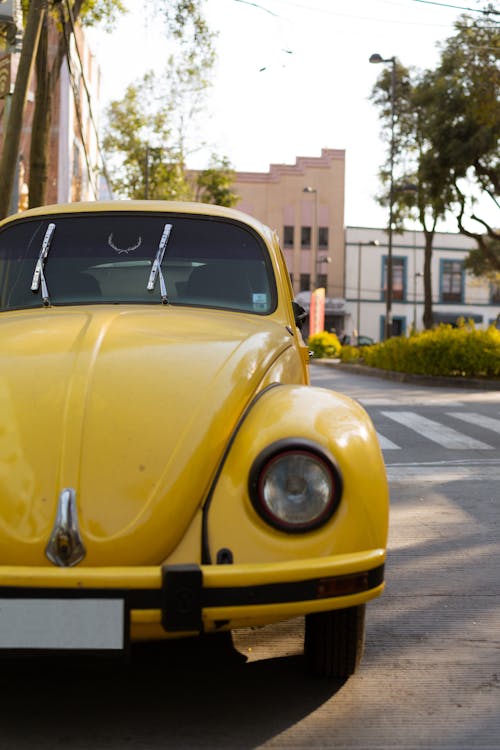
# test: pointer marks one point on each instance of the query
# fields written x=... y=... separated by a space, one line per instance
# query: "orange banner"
x=317 y=312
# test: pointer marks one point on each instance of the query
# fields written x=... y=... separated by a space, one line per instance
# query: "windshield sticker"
x=259 y=301
x=123 y=250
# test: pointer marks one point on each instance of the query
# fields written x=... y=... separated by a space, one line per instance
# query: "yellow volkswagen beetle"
x=165 y=467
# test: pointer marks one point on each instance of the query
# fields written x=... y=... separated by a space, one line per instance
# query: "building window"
x=322 y=280
x=398 y=278
x=291 y=277
x=288 y=236
x=323 y=238
x=495 y=294
x=451 y=281
x=305 y=282
x=305 y=238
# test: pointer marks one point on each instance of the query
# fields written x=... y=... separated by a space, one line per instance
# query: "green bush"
x=351 y=353
x=461 y=352
x=324 y=345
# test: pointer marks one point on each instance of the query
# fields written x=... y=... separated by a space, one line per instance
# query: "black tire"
x=334 y=641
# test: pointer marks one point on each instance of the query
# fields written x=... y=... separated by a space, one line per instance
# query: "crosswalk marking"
x=482 y=420
x=438 y=433
x=386 y=444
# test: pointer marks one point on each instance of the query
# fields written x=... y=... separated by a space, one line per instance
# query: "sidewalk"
x=405 y=377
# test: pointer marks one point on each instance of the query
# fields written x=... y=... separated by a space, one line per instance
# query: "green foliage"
x=105 y=12
x=214 y=185
x=446 y=131
x=351 y=353
x=150 y=132
x=461 y=352
x=485 y=259
x=324 y=345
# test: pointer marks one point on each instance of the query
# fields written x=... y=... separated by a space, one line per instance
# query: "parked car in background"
x=166 y=469
x=349 y=339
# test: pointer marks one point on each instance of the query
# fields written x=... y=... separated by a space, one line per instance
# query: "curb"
x=439 y=381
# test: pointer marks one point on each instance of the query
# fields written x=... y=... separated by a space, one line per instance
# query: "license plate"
x=62 y=624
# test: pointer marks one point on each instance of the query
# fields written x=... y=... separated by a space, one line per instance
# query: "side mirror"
x=299 y=314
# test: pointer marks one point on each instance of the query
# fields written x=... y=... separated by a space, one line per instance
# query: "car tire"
x=334 y=641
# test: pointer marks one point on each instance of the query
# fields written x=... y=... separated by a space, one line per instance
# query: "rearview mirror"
x=299 y=314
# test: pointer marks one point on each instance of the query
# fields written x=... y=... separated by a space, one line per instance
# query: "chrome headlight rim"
x=287 y=447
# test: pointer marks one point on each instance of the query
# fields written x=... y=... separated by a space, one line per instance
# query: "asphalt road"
x=430 y=677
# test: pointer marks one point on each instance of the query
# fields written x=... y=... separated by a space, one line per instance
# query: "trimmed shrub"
x=351 y=353
x=324 y=345
x=460 y=352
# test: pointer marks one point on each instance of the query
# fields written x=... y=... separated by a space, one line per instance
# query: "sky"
x=292 y=77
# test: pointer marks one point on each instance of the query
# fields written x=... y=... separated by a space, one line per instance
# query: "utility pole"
x=12 y=134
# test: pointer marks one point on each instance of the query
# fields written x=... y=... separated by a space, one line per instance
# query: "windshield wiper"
x=38 y=275
x=156 y=269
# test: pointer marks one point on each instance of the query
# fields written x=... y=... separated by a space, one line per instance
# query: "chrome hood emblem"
x=65 y=547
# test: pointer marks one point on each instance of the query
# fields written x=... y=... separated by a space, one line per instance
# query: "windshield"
x=134 y=258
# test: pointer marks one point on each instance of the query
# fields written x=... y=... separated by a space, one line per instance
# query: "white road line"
x=386 y=444
x=481 y=420
x=438 y=433
x=438 y=474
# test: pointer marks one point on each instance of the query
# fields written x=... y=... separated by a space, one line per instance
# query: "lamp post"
x=314 y=239
x=320 y=261
x=358 y=304
x=376 y=58
x=416 y=275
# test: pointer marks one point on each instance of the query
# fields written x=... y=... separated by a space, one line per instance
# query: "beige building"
x=304 y=203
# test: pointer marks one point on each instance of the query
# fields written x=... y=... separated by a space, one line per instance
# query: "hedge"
x=461 y=352
x=324 y=345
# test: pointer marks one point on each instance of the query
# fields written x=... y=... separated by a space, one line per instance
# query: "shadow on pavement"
x=177 y=694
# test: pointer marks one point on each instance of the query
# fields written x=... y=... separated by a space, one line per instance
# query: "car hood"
x=132 y=408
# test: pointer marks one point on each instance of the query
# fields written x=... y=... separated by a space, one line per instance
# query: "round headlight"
x=295 y=486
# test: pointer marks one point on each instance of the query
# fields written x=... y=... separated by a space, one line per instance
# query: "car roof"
x=143 y=206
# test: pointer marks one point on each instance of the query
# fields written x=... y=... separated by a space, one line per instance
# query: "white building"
x=455 y=292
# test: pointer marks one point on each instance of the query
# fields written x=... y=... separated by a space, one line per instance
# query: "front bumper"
x=186 y=599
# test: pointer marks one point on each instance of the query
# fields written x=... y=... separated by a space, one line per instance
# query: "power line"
x=79 y=118
x=484 y=11
x=331 y=12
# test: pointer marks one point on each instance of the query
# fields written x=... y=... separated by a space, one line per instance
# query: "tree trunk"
x=40 y=129
x=428 y=318
x=12 y=136
x=47 y=80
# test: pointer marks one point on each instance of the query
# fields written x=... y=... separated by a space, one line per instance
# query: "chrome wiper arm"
x=156 y=269
x=38 y=275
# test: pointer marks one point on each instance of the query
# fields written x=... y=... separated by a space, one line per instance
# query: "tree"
x=465 y=128
x=148 y=135
x=12 y=137
x=447 y=132
x=136 y=141
x=182 y=18
x=213 y=185
x=151 y=131
x=417 y=193
x=64 y=17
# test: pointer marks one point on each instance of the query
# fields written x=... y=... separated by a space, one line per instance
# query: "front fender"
x=342 y=427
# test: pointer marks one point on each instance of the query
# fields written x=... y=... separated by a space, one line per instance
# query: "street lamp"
x=376 y=58
x=319 y=263
x=314 y=239
x=416 y=275
x=358 y=305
